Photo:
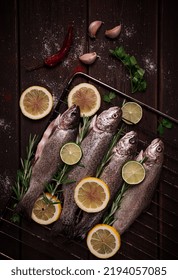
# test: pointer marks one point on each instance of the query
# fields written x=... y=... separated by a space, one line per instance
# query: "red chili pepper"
x=57 y=57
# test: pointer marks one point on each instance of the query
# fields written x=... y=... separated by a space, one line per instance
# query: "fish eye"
x=132 y=140
x=115 y=116
x=159 y=149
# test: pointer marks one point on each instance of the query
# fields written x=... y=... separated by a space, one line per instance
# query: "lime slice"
x=131 y=113
x=70 y=153
x=133 y=172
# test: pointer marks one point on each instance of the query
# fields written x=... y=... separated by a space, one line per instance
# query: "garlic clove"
x=114 y=32
x=88 y=58
x=93 y=28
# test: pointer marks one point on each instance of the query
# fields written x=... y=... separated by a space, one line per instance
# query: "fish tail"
x=57 y=228
x=22 y=209
x=26 y=204
x=60 y=227
x=79 y=234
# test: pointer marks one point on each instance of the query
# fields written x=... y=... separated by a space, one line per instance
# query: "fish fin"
x=22 y=210
x=79 y=234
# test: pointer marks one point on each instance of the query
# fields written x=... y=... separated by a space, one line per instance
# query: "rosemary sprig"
x=23 y=175
x=108 y=155
x=109 y=217
x=83 y=129
x=59 y=178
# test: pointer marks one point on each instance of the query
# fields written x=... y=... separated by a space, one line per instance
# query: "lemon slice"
x=36 y=102
x=133 y=172
x=87 y=97
x=91 y=194
x=131 y=112
x=45 y=213
x=103 y=241
x=70 y=153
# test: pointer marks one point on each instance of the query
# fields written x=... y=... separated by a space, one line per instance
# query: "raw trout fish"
x=124 y=150
x=94 y=146
x=138 y=197
x=47 y=159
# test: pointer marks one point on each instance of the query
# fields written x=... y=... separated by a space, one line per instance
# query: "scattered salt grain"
x=4 y=125
x=149 y=64
x=5 y=180
x=130 y=31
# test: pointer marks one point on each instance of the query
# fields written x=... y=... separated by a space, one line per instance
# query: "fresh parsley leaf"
x=108 y=97
x=164 y=123
x=160 y=129
x=138 y=82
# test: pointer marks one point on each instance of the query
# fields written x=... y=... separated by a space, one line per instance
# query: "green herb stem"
x=61 y=176
x=136 y=73
x=23 y=175
x=109 y=217
x=164 y=124
x=83 y=129
x=108 y=155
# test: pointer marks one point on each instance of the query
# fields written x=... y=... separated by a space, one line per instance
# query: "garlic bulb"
x=114 y=32
x=93 y=28
x=88 y=58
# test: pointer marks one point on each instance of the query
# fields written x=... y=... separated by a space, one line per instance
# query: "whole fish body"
x=94 y=146
x=123 y=151
x=138 y=197
x=47 y=159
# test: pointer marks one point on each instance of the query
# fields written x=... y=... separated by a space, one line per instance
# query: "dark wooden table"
x=33 y=29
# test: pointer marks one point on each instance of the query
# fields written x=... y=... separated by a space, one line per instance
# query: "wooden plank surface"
x=9 y=110
x=35 y=29
x=168 y=102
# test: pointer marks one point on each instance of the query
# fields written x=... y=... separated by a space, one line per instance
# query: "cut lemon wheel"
x=45 y=212
x=91 y=194
x=87 y=97
x=36 y=102
x=70 y=153
x=103 y=241
x=131 y=112
x=133 y=172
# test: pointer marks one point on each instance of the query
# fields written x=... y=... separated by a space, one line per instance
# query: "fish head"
x=70 y=118
x=154 y=153
x=109 y=119
x=127 y=145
